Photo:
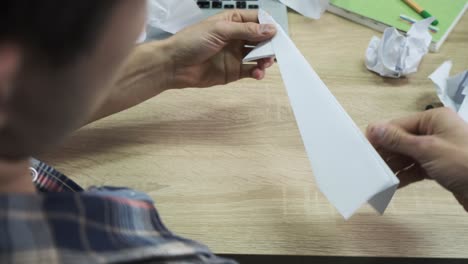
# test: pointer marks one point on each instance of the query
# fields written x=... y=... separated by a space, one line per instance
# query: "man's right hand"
x=427 y=145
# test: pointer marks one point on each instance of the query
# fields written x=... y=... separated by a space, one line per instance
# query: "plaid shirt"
x=65 y=224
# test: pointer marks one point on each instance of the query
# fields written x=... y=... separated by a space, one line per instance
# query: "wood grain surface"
x=226 y=165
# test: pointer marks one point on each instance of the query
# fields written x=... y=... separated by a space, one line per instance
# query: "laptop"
x=274 y=7
x=212 y=7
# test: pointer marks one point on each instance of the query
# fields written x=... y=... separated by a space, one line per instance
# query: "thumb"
x=394 y=139
x=252 y=32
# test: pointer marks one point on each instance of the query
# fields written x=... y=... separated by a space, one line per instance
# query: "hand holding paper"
x=347 y=168
x=396 y=55
x=210 y=52
x=427 y=145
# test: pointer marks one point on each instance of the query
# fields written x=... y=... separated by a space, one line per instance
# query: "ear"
x=9 y=65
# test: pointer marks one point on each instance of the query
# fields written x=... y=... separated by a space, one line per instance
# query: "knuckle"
x=236 y=16
x=251 y=28
x=393 y=138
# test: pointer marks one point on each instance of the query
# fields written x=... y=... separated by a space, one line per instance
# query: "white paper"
x=142 y=37
x=262 y=50
x=396 y=55
x=348 y=170
x=309 y=8
x=452 y=91
x=172 y=16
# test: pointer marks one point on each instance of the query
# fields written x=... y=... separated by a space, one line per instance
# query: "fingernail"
x=266 y=29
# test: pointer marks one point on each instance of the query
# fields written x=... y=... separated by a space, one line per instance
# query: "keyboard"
x=274 y=7
x=228 y=4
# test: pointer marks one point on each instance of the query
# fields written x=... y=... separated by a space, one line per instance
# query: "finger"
x=265 y=63
x=258 y=74
x=409 y=175
x=252 y=71
x=268 y=62
x=245 y=16
x=237 y=16
x=254 y=32
x=423 y=123
x=261 y=64
x=409 y=123
x=395 y=139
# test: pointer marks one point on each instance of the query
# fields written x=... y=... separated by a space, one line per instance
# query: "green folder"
x=380 y=14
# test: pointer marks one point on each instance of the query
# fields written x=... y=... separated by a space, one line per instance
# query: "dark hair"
x=56 y=30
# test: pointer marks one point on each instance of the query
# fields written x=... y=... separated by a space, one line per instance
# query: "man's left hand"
x=211 y=52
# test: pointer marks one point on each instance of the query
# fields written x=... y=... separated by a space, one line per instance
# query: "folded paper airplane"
x=347 y=168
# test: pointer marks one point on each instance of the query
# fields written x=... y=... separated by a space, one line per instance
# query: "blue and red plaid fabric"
x=63 y=223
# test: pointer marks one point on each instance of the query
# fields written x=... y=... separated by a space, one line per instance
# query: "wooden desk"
x=227 y=167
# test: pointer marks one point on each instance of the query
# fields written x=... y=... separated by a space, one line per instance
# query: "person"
x=64 y=64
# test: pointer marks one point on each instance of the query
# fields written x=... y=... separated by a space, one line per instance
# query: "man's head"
x=57 y=59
